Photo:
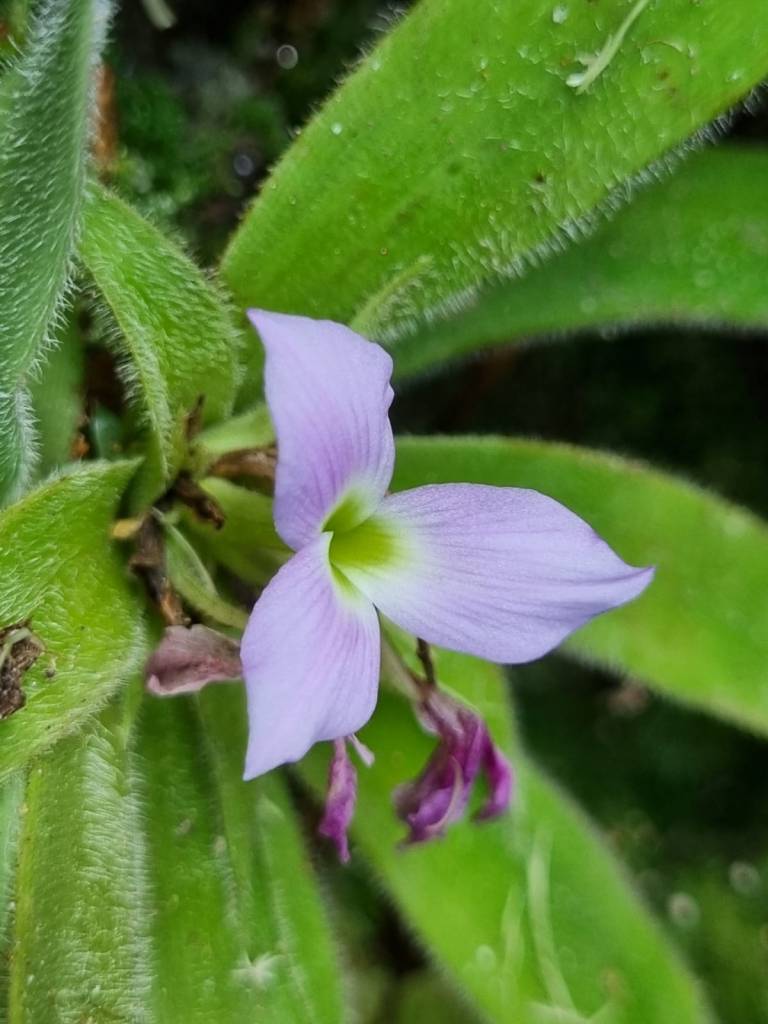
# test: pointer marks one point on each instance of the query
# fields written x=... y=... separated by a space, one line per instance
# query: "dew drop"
x=560 y=14
x=337 y=128
x=243 y=165
x=683 y=910
x=287 y=57
x=744 y=878
x=486 y=958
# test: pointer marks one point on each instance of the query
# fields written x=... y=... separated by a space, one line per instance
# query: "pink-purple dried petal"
x=438 y=797
x=187 y=659
x=340 y=800
x=500 y=780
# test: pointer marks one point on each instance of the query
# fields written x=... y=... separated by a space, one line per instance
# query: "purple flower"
x=340 y=799
x=439 y=796
x=498 y=572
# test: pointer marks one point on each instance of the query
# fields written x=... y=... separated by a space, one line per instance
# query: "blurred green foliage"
x=204 y=110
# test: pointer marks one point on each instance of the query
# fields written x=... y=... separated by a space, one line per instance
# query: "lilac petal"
x=188 y=659
x=328 y=392
x=498 y=572
x=310 y=657
x=340 y=800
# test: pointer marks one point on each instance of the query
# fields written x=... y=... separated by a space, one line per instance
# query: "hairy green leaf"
x=191 y=579
x=61 y=574
x=529 y=915
x=174 y=331
x=11 y=804
x=425 y=993
x=80 y=948
x=700 y=631
x=692 y=249
x=44 y=116
x=458 y=153
x=154 y=885
x=11 y=795
x=238 y=933
x=247 y=544
x=281 y=912
x=251 y=429
x=56 y=393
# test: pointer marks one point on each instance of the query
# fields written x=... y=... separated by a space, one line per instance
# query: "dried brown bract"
x=19 y=650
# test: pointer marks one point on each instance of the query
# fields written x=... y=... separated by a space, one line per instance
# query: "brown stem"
x=148 y=562
x=424 y=654
x=259 y=463
x=190 y=493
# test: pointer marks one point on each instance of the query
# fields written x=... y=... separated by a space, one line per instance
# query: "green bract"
x=63 y=575
x=44 y=117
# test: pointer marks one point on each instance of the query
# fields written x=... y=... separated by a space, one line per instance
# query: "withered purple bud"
x=498 y=774
x=340 y=799
x=187 y=659
x=439 y=796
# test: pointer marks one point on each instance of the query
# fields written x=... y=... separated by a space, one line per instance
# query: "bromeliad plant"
x=141 y=878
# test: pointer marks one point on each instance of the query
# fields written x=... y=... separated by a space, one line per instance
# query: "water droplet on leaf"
x=287 y=57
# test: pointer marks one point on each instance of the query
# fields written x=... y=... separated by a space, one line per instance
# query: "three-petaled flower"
x=499 y=572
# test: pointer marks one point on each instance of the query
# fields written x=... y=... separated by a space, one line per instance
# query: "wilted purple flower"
x=341 y=795
x=339 y=800
x=439 y=796
x=187 y=659
x=498 y=572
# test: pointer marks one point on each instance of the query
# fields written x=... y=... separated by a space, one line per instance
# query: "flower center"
x=373 y=544
x=348 y=514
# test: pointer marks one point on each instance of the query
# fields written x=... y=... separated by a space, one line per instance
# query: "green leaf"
x=154 y=885
x=457 y=153
x=57 y=400
x=238 y=932
x=424 y=994
x=44 y=117
x=81 y=947
x=700 y=631
x=692 y=249
x=60 y=571
x=175 y=331
x=11 y=804
x=247 y=544
x=528 y=915
x=11 y=795
x=15 y=15
x=280 y=905
x=251 y=429
x=191 y=579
